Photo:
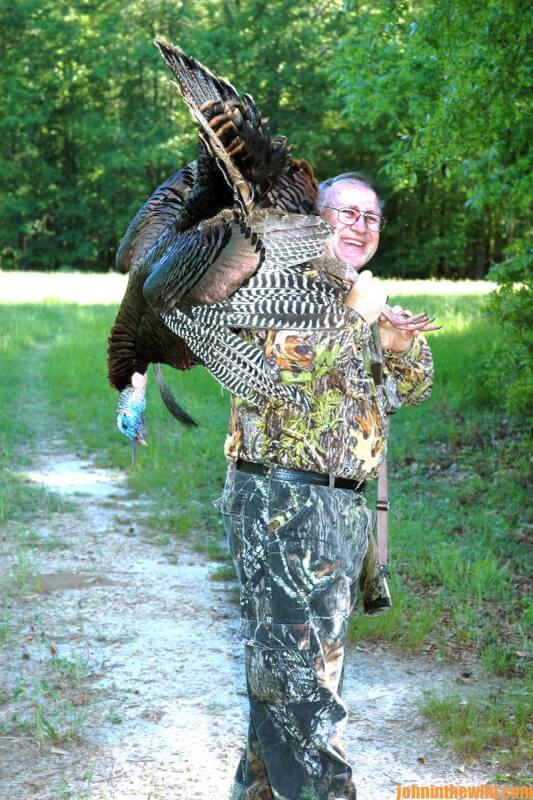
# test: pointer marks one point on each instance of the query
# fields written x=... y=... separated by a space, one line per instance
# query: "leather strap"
x=383 y=513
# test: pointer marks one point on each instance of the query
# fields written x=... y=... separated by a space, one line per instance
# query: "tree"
x=442 y=91
x=430 y=98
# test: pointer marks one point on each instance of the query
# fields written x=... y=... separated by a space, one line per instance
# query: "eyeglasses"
x=347 y=216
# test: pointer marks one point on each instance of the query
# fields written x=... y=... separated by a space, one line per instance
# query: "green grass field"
x=459 y=532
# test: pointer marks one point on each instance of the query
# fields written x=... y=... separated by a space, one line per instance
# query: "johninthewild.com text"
x=450 y=792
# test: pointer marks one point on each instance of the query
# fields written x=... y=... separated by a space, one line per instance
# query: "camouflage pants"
x=298 y=550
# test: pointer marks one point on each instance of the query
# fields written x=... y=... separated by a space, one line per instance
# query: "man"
x=296 y=518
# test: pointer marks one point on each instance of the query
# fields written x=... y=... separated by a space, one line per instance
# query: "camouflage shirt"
x=345 y=431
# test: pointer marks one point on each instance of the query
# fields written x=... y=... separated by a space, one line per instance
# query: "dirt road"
x=122 y=679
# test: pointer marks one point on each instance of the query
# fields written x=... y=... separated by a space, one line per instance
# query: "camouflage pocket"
x=314 y=559
x=288 y=504
x=327 y=531
x=296 y=550
x=237 y=510
x=280 y=676
x=252 y=531
x=311 y=585
x=236 y=495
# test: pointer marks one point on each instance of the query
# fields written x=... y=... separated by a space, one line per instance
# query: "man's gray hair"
x=349 y=177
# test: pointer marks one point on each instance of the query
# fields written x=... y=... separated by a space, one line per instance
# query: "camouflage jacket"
x=345 y=431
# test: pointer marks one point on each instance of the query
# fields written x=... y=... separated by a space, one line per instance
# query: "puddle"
x=169 y=714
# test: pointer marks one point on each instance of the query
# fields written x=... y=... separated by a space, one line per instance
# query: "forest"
x=429 y=99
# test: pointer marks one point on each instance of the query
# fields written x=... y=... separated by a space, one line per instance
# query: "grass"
x=487 y=724
x=37 y=541
x=18 y=576
x=226 y=572
x=6 y=628
x=65 y=791
x=22 y=501
x=47 y=707
x=459 y=531
x=71 y=672
x=50 y=717
x=48 y=702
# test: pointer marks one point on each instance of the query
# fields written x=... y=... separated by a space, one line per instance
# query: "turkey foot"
x=407 y=322
x=403 y=320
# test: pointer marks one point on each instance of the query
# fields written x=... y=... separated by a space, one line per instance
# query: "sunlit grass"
x=457 y=466
x=106 y=288
x=62 y=287
x=436 y=288
x=487 y=724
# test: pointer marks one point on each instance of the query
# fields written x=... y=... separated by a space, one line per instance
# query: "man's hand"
x=367 y=296
x=393 y=338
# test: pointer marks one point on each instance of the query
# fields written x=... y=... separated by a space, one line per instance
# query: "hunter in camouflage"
x=299 y=550
x=303 y=548
x=345 y=433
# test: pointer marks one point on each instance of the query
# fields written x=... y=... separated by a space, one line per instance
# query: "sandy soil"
x=141 y=642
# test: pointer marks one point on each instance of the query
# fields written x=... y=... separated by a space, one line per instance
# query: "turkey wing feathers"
x=236 y=364
x=273 y=315
x=290 y=239
x=211 y=262
x=156 y=216
x=205 y=264
x=276 y=300
x=239 y=282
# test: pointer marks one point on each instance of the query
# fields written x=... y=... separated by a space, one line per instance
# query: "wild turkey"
x=223 y=244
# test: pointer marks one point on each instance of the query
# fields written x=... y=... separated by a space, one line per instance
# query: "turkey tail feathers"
x=170 y=401
x=197 y=85
x=231 y=127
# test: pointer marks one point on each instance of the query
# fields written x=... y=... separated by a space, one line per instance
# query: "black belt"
x=299 y=475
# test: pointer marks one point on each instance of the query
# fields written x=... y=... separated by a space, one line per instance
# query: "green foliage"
x=512 y=307
x=504 y=730
x=92 y=122
x=85 y=131
x=431 y=98
x=441 y=92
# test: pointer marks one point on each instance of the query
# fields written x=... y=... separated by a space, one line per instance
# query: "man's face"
x=356 y=243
